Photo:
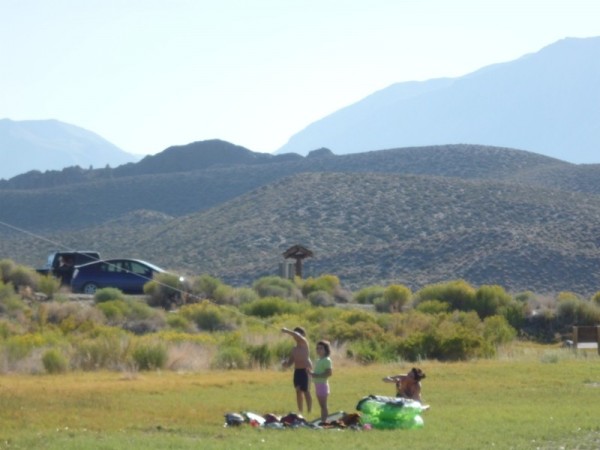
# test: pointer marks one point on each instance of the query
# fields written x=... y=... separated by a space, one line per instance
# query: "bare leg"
x=299 y=399
x=308 y=398
x=324 y=410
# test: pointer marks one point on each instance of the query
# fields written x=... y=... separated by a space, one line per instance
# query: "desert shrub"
x=458 y=294
x=568 y=311
x=49 y=285
x=10 y=303
x=73 y=316
x=206 y=316
x=7 y=267
x=225 y=295
x=514 y=313
x=205 y=286
x=17 y=347
x=417 y=346
x=525 y=297
x=270 y=306
x=596 y=298
x=326 y=283
x=282 y=349
x=8 y=329
x=339 y=331
x=109 y=349
x=460 y=343
x=54 y=361
x=497 y=330
x=150 y=355
x=22 y=276
x=489 y=299
x=114 y=310
x=572 y=311
x=273 y=286
x=230 y=357
x=368 y=351
x=179 y=322
x=355 y=316
x=165 y=290
x=108 y=294
x=321 y=298
x=395 y=296
x=259 y=355
x=368 y=295
x=433 y=307
x=245 y=295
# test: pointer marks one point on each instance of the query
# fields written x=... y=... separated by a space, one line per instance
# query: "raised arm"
x=393 y=378
x=300 y=340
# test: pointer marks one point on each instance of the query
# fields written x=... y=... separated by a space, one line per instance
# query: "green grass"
x=528 y=398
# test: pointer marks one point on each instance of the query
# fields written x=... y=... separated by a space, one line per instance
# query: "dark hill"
x=412 y=215
x=384 y=228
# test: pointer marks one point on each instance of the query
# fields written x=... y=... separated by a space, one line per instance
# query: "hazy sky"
x=148 y=74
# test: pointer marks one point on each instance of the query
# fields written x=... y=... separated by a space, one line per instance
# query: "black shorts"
x=301 y=379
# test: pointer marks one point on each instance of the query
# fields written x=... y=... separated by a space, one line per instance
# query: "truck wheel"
x=90 y=288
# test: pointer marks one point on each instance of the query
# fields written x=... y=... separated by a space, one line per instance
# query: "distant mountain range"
x=52 y=145
x=546 y=102
x=416 y=216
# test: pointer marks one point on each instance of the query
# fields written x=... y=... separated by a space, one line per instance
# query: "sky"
x=149 y=74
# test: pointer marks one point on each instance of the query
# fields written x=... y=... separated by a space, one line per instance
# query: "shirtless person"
x=300 y=358
x=408 y=385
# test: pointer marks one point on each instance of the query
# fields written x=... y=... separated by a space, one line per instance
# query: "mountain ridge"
x=545 y=102
x=38 y=145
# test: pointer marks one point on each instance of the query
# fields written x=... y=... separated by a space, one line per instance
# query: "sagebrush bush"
x=107 y=348
x=54 y=361
x=245 y=295
x=150 y=355
x=497 y=330
x=108 y=294
x=321 y=298
x=204 y=286
x=271 y=306
x=273 y=286
x=115 y=311
x=458 y=294
x=49 y=286
x=369 y=295
x=326 y=283
x=22 y=276
x=10 y=303
x=207 y=316
x=259 y=356
x=433 y=307
x=166 y=290
x=7 y=267
x=230 y=357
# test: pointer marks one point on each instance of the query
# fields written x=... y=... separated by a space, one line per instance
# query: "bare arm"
x=301 y=340
x=393 y=378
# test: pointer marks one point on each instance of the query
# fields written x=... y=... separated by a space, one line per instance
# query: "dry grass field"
x=527 y=398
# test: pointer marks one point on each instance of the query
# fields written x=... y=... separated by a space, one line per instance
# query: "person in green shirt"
x=321 y=374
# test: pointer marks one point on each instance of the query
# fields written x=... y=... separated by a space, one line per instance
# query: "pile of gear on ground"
x=375 y=412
